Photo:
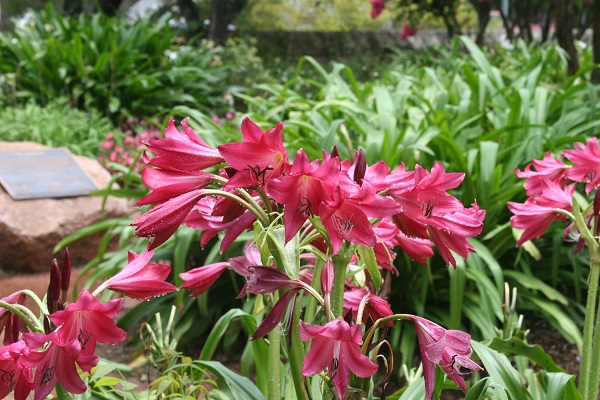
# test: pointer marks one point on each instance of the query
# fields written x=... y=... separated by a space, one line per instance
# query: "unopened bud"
x=335 y=152
x=327 y=275
x=54 y=287
x=360 y=167
x=65 y=275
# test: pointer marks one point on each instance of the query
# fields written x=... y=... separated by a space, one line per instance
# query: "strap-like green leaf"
x=501 y=372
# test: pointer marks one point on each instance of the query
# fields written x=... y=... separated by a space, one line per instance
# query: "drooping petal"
x=202 y=278
x=274 y=317
x=318 y=357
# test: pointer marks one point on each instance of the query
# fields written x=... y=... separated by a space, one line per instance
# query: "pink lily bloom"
x=407 y=31
x=549 y=168
x=368 y=305
x=388 y=233
x=140 y=278
x=15 y=377
x=336 y=346
x=167 y=184
x=346 y=215
x=182 y=151
x=304 y=189
x=56 y=363
x=88 y=321
x=12 y=325
x=377 y=6
x=163 y=220
x=587 y=163
x=202 y=278
x=537 y=213
x=451 y=232
x=450 y=349
x=428 y=212
x=259 y=158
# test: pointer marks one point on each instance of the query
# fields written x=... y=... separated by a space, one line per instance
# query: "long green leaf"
x=501 y=372
x=240 y=386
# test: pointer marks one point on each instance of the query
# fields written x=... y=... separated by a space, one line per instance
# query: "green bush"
x=57 y=125
x=119 y=68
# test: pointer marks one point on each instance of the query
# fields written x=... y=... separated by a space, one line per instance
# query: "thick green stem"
x=588 y=378
x=594 y=385
x=586 y=373
x=296 y=353
x=340 y=263
x=274 y=366
x=24 y=315
x=61 y=393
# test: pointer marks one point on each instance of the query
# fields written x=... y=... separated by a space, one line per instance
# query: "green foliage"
x=472 y=112
x=478 y=113
x=121 y=69
x=57 y=125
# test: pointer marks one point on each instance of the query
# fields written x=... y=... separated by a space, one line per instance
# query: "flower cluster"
x=550 y=187
x=338 y=217
x=126 y=151
x=38 y=355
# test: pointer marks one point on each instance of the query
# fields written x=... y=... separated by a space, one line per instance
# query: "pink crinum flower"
x=537 y=213
x=550 y=168
x=14 y=376
x=429 y=212
x=304 y=189
x=586 y=160
x=163 y=220
x=57 y=362
x=346 y=214
x=336 y=346
x=450 y=349
x=182 y=151
x=140 y=278
x=259 y=158
x=377 y=6
x=88 y=321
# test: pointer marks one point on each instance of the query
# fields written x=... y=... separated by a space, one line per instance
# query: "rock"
x=29 y=229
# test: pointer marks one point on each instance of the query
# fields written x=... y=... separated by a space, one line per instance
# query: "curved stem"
x=380 y=321
x=254 y=208
x=42 y=307
x=24 y=314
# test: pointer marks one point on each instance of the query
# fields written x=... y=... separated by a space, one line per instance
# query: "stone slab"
x=43 y=173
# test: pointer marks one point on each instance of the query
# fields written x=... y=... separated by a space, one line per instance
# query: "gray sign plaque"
x=35 y=174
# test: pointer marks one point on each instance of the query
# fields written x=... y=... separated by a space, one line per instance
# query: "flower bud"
x=54 y=287
x=335 y=152
x=65 y=275
x=360 y=167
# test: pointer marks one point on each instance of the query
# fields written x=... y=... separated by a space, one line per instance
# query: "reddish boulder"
x=29 y=229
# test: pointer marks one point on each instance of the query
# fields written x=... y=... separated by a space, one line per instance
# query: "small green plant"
x=57 y=125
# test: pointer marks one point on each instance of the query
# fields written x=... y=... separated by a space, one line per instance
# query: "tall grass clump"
x=122 y=69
